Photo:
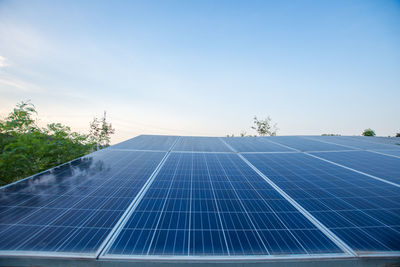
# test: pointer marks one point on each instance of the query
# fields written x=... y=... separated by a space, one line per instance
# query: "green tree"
x=265 y=126
x=100 y=132
x=20 y=120
x=369 y=132
x=398 y=135
x=26 y=148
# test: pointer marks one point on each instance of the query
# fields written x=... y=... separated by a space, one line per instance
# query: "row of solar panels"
x=260 y=144
x=161 y=195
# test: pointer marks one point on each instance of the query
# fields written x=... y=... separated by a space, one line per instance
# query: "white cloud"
x=3 y=62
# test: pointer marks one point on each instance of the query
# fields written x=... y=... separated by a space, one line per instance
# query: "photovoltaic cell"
x=304 y=144
x=360 y=210
x=215 y=204
x=72 y=208
x=254 y=144
x=379 y=165
x=201 y=144
x=147 y=142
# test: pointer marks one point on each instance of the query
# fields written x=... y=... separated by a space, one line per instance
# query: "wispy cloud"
x=23 y=41
x=8 y=83
x=3 y=62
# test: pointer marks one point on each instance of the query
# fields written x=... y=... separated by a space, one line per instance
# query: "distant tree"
x=331 y=134
x=398 y=135
x=369 y=132
x=100 y=132
x=230 y=135
x=243 y=134
x=264 y=127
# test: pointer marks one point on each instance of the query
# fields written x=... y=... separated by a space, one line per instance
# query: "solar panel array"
x=210 y=197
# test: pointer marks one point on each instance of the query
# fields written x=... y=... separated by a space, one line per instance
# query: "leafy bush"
x=369 y=132
x=264 y=127
x=26 y=148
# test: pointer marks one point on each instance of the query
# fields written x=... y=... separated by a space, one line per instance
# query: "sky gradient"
x=204 y=67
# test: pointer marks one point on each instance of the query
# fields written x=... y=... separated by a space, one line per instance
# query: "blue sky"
x=204 y=67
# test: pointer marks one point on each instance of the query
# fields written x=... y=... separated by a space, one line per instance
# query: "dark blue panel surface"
x=304 y=143
x=215 y=204
x=207 y=144
x=379 y=139
x=360 y=210
x=148 y=142
x=395 y=153
x=73 y=208
x=254 y=144
x=358 y=142
x=379 y=165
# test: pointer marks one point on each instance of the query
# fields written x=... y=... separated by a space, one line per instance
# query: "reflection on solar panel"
x=207 y=198
x=74 y=207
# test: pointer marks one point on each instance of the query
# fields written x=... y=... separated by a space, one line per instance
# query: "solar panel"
x=304 y=144
x=211 y=198
x=215 y=204
x=73 y=208
x=379 y=165
x=378 y=139
x=147 y=142
x=355 y=142
x=362 y=211
x=254 y=144
x=201 y=144
x=395 y=153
